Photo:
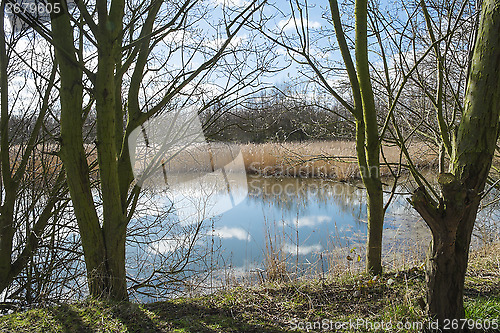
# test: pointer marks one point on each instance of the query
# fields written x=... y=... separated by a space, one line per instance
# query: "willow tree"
x=451 y=215
x=367 y=136
x=107 y=52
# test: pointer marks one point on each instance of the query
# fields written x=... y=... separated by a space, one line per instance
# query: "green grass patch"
x=482 y=308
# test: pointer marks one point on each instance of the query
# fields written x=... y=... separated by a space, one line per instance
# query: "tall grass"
x=275 y=258
x=330 y=159
x=341 y=259
x=316 y=159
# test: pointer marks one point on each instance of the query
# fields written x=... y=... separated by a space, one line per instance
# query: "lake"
x=313 y=225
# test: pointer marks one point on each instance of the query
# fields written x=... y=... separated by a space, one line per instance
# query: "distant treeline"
x=276 y=117
x=271 y=117
x=21 y=126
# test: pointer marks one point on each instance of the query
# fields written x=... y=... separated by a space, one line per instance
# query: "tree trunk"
x=368 y=142
x=108 y=120
x=104 y=248
x=115 y=246
x=367 y=137
x=451 y=223
x=7 y=198
x=375 y=228
x=447 y=264
x=446 y=267
x=445 y=275
x=370 y=175
x=451 y=220
x=6 y=241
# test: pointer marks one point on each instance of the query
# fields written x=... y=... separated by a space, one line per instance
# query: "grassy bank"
x=393 y=297
x=332 y=159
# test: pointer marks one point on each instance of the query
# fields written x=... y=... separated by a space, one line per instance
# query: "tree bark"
x=103 y=239
x=445 y=276
x=451 y=223
x=367 y=137
x=101 y=280
x=370 y=165
x=9 y=187
x=451 y=220
x=375 y=227
x=108 y=120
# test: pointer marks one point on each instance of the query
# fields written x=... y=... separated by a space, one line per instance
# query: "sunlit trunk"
x=451 y=220
x=104 y=248
x=375 y=228
x=368 y=144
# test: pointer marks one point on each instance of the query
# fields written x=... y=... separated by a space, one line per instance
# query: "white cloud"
x=303 y=249
x=218 y=42
x=176 y=36
x=292 y=24
x=165 y=246
x=238 y=233
x=311 y=221
x=281 y=51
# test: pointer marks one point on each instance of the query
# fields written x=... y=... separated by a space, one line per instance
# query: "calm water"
x=301 y=219
x=193 y=238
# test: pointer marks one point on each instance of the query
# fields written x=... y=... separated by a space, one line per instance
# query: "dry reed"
x=330 y=159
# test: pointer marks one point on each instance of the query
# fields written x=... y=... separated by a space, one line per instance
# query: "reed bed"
x=313 y=159
x=44 y=163
x=327 y=159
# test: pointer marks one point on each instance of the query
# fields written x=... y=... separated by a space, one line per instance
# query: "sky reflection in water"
x=304 y=216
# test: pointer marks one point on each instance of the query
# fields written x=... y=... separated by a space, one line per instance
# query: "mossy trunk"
x=368 y=144
x=103 y=247
x=6 y=241
x=451 y=223
x=451 y=220
x=109 y=123
x=375 y=228
x=367 y=136
x=370 y=176
x=445 y=272
x=74 y=157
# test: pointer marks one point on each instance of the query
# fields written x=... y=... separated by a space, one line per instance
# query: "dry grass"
x=330 y=159
x=315 y=159
x=275 y=261
x=44 y=163
x=485 y=262
x=272 y=307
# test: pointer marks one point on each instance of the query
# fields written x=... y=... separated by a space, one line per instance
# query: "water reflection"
x=306 y=218
x=309 y=223
x=291 y=193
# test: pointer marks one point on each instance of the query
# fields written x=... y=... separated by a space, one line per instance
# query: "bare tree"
x=132 y=61
x=357 y=79
x=464 y=92
x=33 y=190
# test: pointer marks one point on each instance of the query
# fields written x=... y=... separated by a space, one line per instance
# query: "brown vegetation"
x=330 y=159
x=312 y=159
x=44 y=161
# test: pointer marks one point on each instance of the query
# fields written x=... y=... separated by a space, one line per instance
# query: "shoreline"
x=395 y=297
